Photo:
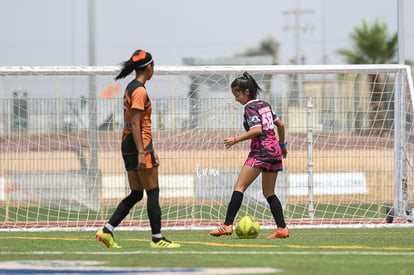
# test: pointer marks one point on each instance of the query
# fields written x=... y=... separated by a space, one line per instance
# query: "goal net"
x=349 y=128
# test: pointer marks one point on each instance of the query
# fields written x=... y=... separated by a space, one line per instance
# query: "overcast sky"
x=51 y=32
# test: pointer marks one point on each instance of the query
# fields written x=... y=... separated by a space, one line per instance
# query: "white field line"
x=137 y=228
x=355 y=252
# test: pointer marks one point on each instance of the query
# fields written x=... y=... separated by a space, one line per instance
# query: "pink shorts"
x=275 y=166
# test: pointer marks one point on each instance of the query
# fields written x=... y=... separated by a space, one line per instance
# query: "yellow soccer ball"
x=247 y=228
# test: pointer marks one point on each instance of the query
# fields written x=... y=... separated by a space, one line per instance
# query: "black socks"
x=234 y=206
x=277 y=211
x=154 y=210
x=123 y=208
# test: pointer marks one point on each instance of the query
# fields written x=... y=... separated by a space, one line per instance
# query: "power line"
x=298 y=28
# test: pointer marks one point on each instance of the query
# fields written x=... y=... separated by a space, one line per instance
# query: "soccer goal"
x=349 y=129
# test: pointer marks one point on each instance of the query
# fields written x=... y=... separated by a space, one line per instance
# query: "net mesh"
x=61 y=164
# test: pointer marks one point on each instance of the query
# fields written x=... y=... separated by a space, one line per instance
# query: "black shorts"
x=130 y=154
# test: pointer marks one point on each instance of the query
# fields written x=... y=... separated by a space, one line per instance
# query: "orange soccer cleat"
x=279 y=233
x=222 y=230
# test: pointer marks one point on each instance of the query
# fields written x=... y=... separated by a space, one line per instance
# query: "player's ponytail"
x=138 y=62
x=246 y=81
x=127 y=68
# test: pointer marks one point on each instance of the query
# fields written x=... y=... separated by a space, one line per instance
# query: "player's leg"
x=150 y=181
x=128 y=202
x=268 y=188
x=105 y=235
x=149 y=178
x=247 y=175
x=130 y=157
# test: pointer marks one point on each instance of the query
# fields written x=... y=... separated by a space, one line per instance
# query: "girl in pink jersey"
x=266 y=153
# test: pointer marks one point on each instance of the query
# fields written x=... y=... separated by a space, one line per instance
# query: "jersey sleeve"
x=138 y=98
x=252 y=117
x=275 y=116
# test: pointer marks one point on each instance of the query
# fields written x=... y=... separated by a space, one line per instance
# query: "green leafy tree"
x=409 y=63
x=267 y=47
x=373 y=45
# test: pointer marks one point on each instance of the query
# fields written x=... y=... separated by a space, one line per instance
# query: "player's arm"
x=281 y=134
x=253 y=132
x=136 y=134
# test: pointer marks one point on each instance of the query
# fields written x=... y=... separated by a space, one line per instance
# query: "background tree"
x=373 y=45
x=267 y=47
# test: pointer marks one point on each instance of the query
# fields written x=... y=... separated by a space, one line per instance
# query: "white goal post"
x=349 y=127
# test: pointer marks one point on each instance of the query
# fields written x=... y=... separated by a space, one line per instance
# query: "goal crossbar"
x=184 y=69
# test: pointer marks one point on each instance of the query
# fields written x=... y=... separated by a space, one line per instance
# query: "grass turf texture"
x=307 y=251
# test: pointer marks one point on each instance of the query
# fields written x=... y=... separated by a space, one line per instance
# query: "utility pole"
x=93 y=128
x=298 y=28
x=296 y=95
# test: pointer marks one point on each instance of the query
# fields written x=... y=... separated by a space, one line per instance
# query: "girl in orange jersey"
x=141 y=162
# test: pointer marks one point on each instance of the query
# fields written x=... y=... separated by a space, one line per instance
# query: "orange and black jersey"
x=136 y=97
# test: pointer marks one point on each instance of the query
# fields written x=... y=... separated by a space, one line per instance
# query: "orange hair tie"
x=140 y=56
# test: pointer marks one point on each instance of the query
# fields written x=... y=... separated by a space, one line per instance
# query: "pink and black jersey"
x=264 y=148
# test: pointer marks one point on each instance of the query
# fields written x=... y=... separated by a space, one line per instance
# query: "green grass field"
x=307 y=251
